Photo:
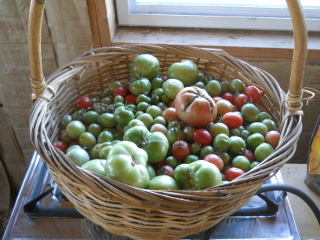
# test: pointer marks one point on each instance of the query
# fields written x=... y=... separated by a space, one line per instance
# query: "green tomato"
x=104 y=150
x=172 y=87
x=186 y=71
x=254 y=140
x=198 y=175
x=160 y=120
x=236 y=144
x=96 y=166
x=87 y=139
x=213 y=88
x=95 y=129
x=145 y=66
x=154 y=111
x=156 y=83
x=151 y=171
x=108 y=120
x=146 y=119
x=241 y=162
x=136 y=134
x=250 y=112
x=263 y=151
x=141 y=86
x=133 y=123
x=66 y=119
x=163 y=182
x=143 y=98
x=105 y=136
x=79 y=156
x=123 y=115
x=258 y=127
x=127 y=163
x=156 y=146
x=221 y=142
x=75 y=128
x=236 y=86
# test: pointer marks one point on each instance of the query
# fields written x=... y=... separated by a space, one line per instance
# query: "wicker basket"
x=154 y=214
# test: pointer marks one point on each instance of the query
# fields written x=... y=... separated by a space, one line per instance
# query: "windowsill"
x=247 y=45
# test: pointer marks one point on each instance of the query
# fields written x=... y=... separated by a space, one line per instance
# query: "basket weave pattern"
x=141 y=213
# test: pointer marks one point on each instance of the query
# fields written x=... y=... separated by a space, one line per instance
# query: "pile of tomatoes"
x=184 y=130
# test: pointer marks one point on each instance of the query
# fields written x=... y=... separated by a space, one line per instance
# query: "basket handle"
x=294 y=95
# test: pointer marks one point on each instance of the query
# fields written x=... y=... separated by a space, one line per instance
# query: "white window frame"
x=221 y=17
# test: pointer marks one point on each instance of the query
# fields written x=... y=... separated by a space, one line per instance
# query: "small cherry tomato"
x=83 y=102
x=233 y=173
x=253 y=93
x=180 y=150
x=165 y=170
x=229 y=96
x=232 y=120
x=215 y=159
x=202 y=136
x=131 y=99
x=120 y=91
x=61 y=145
x=241 y=99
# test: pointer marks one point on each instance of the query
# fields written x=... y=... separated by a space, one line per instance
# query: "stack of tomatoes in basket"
x=185 y=130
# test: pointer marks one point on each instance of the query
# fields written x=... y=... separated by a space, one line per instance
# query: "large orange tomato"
x=195 y=107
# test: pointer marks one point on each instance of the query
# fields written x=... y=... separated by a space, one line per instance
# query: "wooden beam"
x=100 y=24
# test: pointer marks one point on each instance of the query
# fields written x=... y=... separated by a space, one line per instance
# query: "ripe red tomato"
x=241 y=99
x=217 y=99
x=215 y=159
x=180 y=150
x=232 y=120
x=120 y=91
x=202 y=136
x=253 y=93
x=83 y=102
x=229 y=96
x=249 y=154
x=233 y=173
x=165 y=170
x=131 y=99
x=61 y=145
x=195 y=107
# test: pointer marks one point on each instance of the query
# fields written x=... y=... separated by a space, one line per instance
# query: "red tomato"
x=217 y=99
x=195 y=107
x=233 y=173
x=61 y=145
x=202 y=136
x=273 y=137
x=127 y=87
x=180 y=150
x=165 y=170
x=229 y=96
x=232 y=120
x=131 y=99
x=253 y=93
x=83 y=102
x=158 y=165
x=215 y=159
x=120 y=91
x=170 y=114
x=250 y=155
x=240 y=100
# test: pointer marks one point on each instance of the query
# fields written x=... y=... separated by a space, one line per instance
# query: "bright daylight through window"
x=227 y=14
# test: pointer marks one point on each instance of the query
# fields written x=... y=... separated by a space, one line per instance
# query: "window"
x=227 y=14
